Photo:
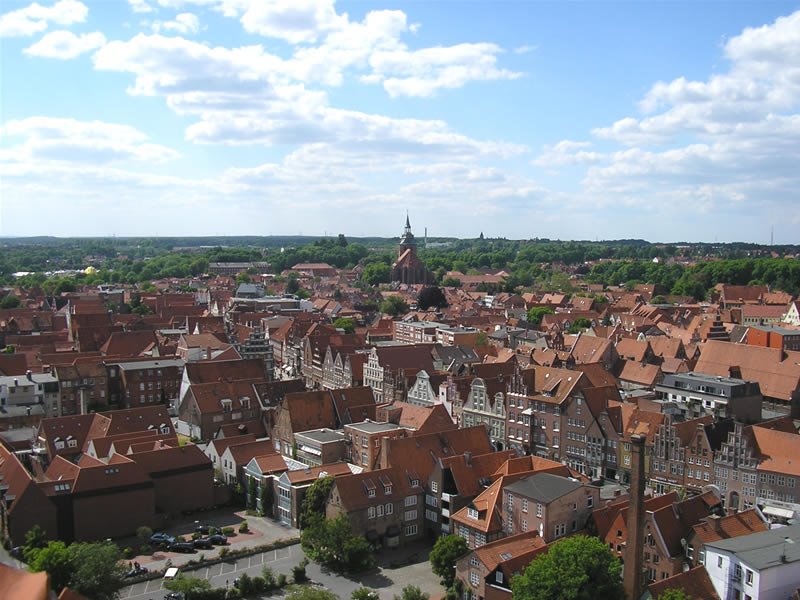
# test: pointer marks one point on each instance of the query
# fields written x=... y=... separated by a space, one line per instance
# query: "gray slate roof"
x=543 y=487
x=764 y=549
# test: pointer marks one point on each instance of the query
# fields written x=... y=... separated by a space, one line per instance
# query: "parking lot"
x=388 y=582
x=281 y=561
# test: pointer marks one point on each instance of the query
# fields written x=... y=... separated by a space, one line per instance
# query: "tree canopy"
x=431 y=296
x=91 y=569
x=536 y=314
x=394 y=306
x=446 y=551
x=331 y=542
x=314 y=501
x=576 y=568
x=674 y=594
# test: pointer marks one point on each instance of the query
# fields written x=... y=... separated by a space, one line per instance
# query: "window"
x=434 y=486
x=590 y=501
x=472 y=513
x=499 y=577
x=480 y=540
x=748 y=577
x=380 y=510
x=387 y=489
x=473 y=577
x=524 y=524
x=411 y=515
x=59 y=445
x=389 y=508
x=737 y=573
x=473 y=561
x=371 y=493
x=560 y=529
x=410 y=501
x=72 y=443
x=524 y=505
x=463 y=531
x=410 y=530
x=539 y=510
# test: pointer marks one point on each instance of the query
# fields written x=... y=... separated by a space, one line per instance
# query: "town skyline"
x=577 y=121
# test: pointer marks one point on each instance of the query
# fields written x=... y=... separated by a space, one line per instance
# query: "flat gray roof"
x=543 y=487
x=372 y=427
x=322 y=435
x=150 y=364
x=764 y=549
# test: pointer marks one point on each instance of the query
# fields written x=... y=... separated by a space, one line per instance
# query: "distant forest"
x=537 y=263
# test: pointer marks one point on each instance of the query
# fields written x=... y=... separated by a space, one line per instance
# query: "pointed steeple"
x=408 y=223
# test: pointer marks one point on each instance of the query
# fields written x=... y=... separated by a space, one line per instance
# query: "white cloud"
x=295 y=21
x=731 y=141
x=65 y=45
x=35 y=18
x=525 y=49
x=182 y=23
x=424 y=72
x=140 y=6
x=49 y=139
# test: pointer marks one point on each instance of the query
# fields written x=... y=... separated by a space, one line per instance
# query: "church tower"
x=407 y=240
x=408 y=268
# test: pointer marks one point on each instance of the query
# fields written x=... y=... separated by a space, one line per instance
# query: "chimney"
x=632 y=577
x=29 y=375
x=715 y=521
x=208 y=352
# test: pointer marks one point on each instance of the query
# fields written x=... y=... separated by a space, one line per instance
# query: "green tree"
x=451 y=282
x=580 y=324
x=54 y=559
x=10 y=301
x=314 y=501
x=332 y=543
x=674 y=594
x=364 y=593
x=144 y=533
x=412 y=592
x=482 y=339
x=252 y=493
x=312 y=593
x=345 y=323
x=243 y=278
x=97 y=570
x=187 y=585
x=394 y=306
x=292 y=283
x=342 y=241
x=446 y=551
x=576 y=568
x=536 y=314
x=376 y=273
x=35 y=537
x=431 y=296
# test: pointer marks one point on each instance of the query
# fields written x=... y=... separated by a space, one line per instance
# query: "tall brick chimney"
x=632 y=577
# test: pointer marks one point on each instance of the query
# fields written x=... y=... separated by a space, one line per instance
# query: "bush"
x=259 y=585
x=243 y=527
x=233 y=594
x=144 y=533
x=212 y=531
x=223 y=552
x=281 y=580
x=128 y=552
x=299 y=572
x=245 y=584
x=227 y=531
x=145 y=549
x=196 y=535
x=269 y=579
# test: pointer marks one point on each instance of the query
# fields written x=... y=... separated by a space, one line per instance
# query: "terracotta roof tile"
x=695 y=583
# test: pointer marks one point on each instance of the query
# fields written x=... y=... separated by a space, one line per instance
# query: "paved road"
x=388 y=582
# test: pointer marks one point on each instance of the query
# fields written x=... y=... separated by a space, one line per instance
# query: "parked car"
x=184 y=547
x=203 y=529
x=135 y=571
x=162 y=539
x=218 y=539
x=203 y=543
x=174 y=596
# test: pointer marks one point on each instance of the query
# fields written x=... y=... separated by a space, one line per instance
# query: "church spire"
x=408 y=224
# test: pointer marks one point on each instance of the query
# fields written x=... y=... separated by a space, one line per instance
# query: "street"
x=388 y=582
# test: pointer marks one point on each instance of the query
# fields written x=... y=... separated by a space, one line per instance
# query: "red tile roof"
x=695 y=583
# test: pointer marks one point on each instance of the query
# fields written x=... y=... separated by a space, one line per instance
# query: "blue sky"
x=666 y=121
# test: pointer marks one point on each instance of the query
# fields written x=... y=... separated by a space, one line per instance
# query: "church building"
x=408 y=268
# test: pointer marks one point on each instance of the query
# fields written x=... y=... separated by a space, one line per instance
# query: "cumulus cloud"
x=65 y=45
x=140 y=6
x=35 y=18
x=731 y=140
x=184 y=23
x=49 y=139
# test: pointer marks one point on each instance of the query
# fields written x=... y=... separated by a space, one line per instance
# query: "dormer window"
x=59 y=444
x=371 y=493
x=73 y=443
x=415 y=483
x=165 y=429
x=387 y=489
x=226 y=405
x=472 y=513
